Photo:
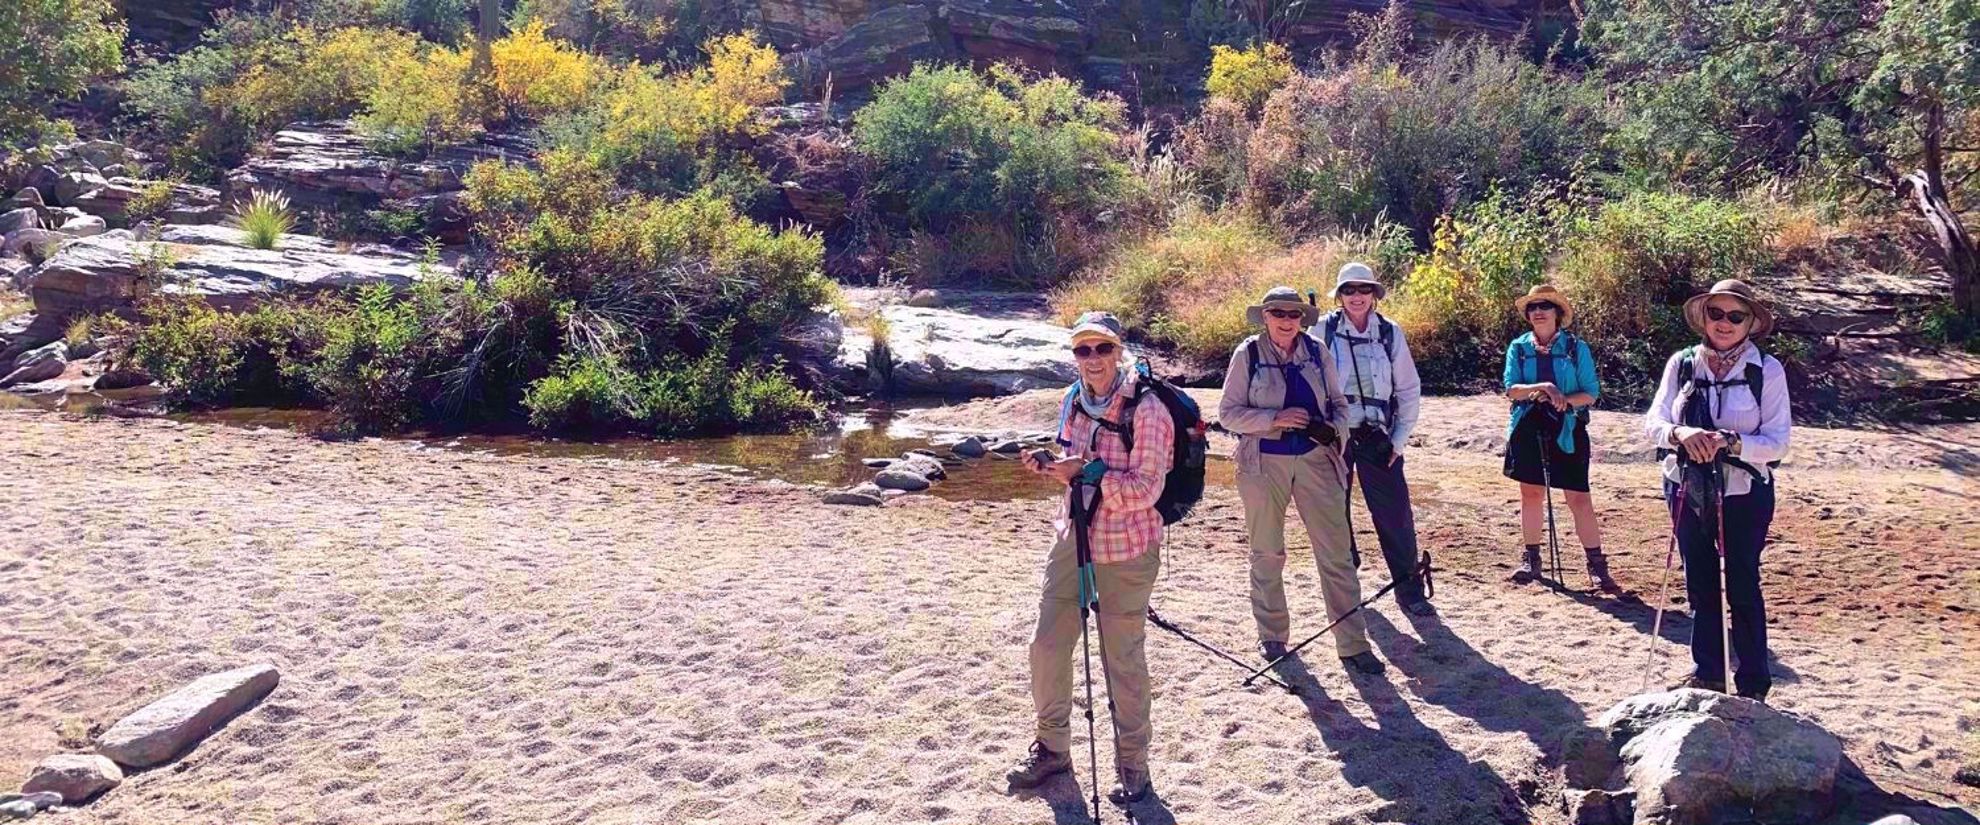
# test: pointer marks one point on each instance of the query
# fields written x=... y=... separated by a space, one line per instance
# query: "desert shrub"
x=1247 y=76
x=371 y=360
x=668 y=133
x=674 y=397
x=51 y=50
x=153 y=201
x=1387 y=135
x=423 y=101
x=647 y=30
x=1637 y=261
x=536 y=76
x=1187 y=286
x=250 y=76
x=951 y=147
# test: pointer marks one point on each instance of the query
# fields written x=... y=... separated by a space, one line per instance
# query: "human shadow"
x=1677 y=626
x=1401 y=760
x=1071 y=806
x=1862 y=800
x=1447 y=671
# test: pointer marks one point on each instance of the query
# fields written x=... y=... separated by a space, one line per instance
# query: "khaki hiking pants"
x=1309 y=482
x=1124 y=590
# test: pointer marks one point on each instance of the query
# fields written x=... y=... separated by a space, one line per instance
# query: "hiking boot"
x=1272 y=651
x=1756 y=695
x=1133 y=787
x=1363 y=663
x=1420 y=607
x=1529 y=570
x=1695 y=683
x=1598 y=569
x=1039 y=764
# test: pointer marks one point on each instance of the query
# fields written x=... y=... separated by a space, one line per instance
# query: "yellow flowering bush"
x=536 y=75
x=1248 y=76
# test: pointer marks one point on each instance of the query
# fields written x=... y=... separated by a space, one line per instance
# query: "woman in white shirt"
x=1721 y=420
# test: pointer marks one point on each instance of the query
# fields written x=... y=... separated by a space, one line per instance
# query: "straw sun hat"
x=1763 y=318
x=1546 y=292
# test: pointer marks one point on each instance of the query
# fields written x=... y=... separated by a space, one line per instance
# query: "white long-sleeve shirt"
x=1762 y=423
x=1379 y=377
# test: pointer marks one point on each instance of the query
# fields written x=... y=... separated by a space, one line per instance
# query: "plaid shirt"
x=1127 y=524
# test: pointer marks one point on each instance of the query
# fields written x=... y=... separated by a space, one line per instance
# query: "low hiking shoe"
x=1364 y=663
x=1133 y=787
x=1598 y=570
x=1756 y=695
x=1420 y=607
x=1039 y=764
x=1272 y=651
x=1695 y=683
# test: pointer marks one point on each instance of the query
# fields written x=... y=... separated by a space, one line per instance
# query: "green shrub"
x=51 y=49
x=652 y=31
x=371 y=361
x=677 y=397
x=216 y=358
x=264 y=218
x=952 y=147
x=1632 y=269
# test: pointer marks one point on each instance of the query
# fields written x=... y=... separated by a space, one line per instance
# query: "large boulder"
x=172 y=725
x=112 y=270
x=39 y=364
x=1693 y=757
x=18 y=219
x=33 y=244
x=76 y=777
x=329 y=165
x=940 y=351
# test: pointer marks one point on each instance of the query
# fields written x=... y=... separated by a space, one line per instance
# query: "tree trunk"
x=1955 y=246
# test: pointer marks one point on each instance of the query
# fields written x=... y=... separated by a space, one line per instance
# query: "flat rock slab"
x=1692 y=756
x=213 y=262
x=75 y=777
x=945 y=352
x=165 y=728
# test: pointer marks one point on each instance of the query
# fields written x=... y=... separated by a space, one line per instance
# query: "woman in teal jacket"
x=1550 y=378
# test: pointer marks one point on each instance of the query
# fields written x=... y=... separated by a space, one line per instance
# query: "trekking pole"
x=1663 y=600
x=1087 y=601
x=1157 y=619
x=1547 y=481
x=1089 y=586
x=1422 y=570
x=1725 y=596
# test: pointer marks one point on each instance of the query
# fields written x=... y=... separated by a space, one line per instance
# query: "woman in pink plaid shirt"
x=1125 y=537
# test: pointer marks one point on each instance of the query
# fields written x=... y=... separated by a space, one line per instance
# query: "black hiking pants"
x=1747 y=517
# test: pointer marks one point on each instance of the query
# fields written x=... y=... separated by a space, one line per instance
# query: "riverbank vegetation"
x=641 y=269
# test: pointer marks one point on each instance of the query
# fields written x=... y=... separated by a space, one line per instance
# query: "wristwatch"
x=1733 y=442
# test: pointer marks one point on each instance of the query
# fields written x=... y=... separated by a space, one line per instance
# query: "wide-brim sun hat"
x=1763 y=318
x=1357 y=272
x=1097 y=326
x=1282 y=297
x=1547 y=292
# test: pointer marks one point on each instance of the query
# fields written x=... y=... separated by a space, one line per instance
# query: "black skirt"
x=1535 y=438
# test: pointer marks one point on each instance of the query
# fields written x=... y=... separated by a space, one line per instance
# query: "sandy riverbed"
x=470 y=638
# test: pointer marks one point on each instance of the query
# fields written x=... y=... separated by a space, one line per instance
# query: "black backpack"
x=1182 y=488
x=1756 y=378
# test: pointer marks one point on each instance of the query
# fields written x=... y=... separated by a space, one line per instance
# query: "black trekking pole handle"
x=1323 y=631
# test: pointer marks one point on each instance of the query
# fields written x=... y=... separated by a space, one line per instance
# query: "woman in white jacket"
x=1721 y=421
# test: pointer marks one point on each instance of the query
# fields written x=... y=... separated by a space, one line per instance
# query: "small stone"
x=921 y=465
x=1009 y=445
x=76 y=777
x=1968 y=774
x=1896 y=819
x=43 y=799
x=970 y=447
x=85 y=226
x=877 y=463
x=925 y=299
x=18 y=809
x=854 y=497
x=901 y=480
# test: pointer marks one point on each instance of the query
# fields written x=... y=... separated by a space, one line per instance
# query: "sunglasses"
x=1735 y=316
x=1101 y=349
x=1286 y=314
x=1359 y=289
x=1538 y=306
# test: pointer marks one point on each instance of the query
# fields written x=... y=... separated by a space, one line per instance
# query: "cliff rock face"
x=1145 y=50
